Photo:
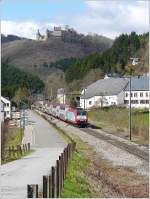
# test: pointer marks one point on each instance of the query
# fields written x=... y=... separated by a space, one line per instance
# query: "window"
x=126 y=101
x=141 y=94
x=131 y=94
x=134 y=101
x=126 y=94
x=81 y=113
x=90 y=102
x=147 y=101
x=135 y=94
x=142 y=101
x=7 y=112
x=146 y=94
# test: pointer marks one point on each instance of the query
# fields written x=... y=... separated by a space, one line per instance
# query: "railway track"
x=132 y=149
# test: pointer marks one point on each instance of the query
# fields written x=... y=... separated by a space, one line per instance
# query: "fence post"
x=53 y=182
x=58 y=178
x=49 y=186
x=45 y=195
x=65 y=159
x=64 y=163
x=13 y=151
x=28 y=146
x=60 y=160
x=62 y=167
x=18 y=151
x=23 y=149
x=26 y=149
x=9 y=151
x=69 y=150
x=32 y=191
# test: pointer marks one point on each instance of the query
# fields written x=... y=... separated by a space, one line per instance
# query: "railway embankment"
x=113 y=171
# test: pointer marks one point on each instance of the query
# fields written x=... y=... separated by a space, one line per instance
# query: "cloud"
x=25 y=29
x=108 y=18
x=115 y=17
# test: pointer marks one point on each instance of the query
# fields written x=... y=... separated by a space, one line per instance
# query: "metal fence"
x=53 y=183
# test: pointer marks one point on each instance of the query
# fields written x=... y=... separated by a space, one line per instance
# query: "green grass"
x=118 y=118
x=75 y=184
x=14 y=137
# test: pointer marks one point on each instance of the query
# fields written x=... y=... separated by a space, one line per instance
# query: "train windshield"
x=81 y=113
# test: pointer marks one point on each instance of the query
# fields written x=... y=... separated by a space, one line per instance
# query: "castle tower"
x=38 y=35
x=66 y=27
x=47 y=34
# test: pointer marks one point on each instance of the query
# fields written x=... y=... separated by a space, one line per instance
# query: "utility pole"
x=84 y=98
x=134 y=62
x=130 y=123
x=51 y=93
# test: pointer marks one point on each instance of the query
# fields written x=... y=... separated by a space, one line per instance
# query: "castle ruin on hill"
x=65 y=34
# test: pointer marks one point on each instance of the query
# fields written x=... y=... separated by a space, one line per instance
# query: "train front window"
x=81 y=113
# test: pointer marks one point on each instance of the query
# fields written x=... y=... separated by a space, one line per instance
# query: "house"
x=2 y=111
x=6 y=107
x=103 y=93
x=139 y=92
x=61 y=96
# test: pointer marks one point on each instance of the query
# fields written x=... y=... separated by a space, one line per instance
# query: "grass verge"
x=11 y=137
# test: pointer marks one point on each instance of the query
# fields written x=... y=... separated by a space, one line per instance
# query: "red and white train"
x=67 y=113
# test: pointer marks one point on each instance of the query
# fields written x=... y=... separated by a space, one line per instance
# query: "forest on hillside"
x=112 y=60
x=14 y=79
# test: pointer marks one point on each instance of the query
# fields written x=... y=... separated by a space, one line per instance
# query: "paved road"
x=47 y=144
x=43 y=135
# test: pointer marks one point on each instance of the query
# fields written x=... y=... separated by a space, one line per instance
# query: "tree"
x=73 y=102
x=21 y=95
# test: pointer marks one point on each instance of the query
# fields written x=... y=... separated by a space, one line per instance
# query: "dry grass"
x=116 y=120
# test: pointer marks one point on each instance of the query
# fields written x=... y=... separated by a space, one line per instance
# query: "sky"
x=105 y=17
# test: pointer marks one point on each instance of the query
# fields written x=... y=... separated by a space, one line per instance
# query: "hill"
x=32 y=55
x=13 y=79
x=9 y=38
x=115 y=59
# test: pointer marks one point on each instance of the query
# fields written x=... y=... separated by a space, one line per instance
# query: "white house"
x=103 y=93
x=6 y=107
x=140 y=95
x=61 y=96
x=2 y=111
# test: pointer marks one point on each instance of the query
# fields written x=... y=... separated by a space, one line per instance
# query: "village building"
x=104 y=93
x=6 y=107
x=2 y=111
x=139 y=92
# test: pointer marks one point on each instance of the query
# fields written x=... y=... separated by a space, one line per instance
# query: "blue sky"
x=39 y=10
x=109 y=17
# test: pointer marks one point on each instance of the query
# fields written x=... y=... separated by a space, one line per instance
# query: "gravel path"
x=47 y=145
x=115 y=155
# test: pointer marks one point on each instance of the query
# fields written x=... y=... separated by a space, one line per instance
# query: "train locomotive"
x=67 y=113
